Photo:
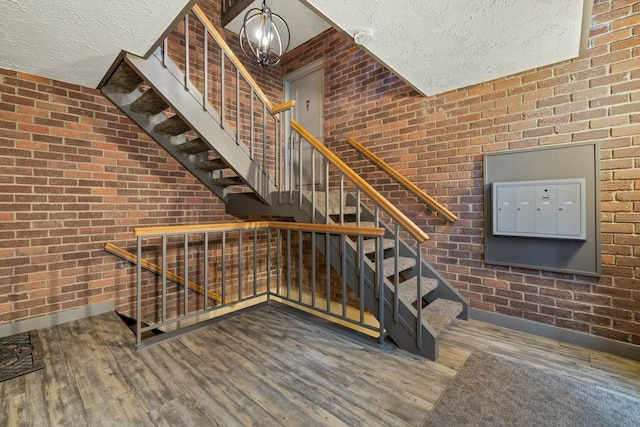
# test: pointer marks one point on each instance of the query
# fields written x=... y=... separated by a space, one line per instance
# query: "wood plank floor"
x=266 y=367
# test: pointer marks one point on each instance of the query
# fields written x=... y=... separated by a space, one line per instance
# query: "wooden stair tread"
x=228 y=181
x=404 y=263
x=173 y=126
x=124 y=79
x=334 y=203
x=362 y=224
x=335 y=210
x=194 y=146
x=149 y=103
x=408 y=291
x=212 y=165
x=440 y=313
x=369 y=245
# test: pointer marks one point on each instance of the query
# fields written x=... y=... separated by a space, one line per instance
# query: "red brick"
x=102 y=164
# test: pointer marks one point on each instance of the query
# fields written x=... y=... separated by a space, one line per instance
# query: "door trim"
x=298 y=74
x=292 y=76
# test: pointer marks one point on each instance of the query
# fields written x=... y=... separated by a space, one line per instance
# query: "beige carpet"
x=492 y=391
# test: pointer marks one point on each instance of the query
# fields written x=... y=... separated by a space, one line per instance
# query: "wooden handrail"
x=236 y=62
x=446 y=213
x=283 y=107
x=251 y=225
x=147 y=265
x=385 y=204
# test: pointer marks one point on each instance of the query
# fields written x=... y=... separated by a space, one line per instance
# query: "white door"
x=306 y=87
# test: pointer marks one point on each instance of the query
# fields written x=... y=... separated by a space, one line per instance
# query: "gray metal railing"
x=341 y=184
x=223 y=86
x=247 y=256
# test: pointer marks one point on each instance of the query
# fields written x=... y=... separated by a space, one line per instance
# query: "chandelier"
x=264 y=36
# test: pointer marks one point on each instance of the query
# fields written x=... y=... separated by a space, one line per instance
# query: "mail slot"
x=554 y=209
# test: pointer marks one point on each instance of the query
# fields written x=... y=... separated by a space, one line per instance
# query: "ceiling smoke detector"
x=363 y=37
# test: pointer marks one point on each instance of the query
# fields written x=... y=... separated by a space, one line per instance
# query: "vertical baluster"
x=326 y=192
x=240 y=265
x=224 y=267
x=361 y=238
x=255 y=261
x=186 y=51
x=238 y=125
x=343 y=272
x=419 y=307
x=278 y=149
x=376 y=215
x=358 y=195
x=396 y=276
x=381 y=275
x=251 y=125
x=206 y=270
x=139 y=292
x=327 y=251
x=205 y=90
x=290 y=166
x=222 y=88
x=300 y=266
x=341 y=199
x=361 y=275
x=313 y=269
x=264 y=138
x=300 y=172
x=186 y=274
x=268 y=263
x=313 y=184
x=288 y=264
x=278 y=260
x=164 y=278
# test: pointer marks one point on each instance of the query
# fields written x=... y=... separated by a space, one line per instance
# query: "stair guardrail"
x=199 y=131
x=243 y=107
x=436 y=207
x=239 y=262
x=336 y=178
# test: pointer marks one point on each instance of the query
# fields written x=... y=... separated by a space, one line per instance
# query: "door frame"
x=313 y=67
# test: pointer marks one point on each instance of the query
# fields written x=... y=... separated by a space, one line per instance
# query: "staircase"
x=439 y=303
x=240 y=157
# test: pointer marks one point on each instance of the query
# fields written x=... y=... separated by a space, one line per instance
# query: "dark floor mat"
x=20 y=354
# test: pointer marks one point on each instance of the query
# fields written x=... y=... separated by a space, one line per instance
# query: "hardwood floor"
x=266 y=367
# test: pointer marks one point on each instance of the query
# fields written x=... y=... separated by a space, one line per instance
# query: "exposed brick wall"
x=438 y=143
x=74 y=175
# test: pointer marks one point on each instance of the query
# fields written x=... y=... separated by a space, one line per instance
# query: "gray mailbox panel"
x=552 y=209
x=564 y=162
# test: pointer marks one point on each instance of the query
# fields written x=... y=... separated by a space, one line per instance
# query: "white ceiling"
x=76 y=41
x=434 y=45
x=438 y=45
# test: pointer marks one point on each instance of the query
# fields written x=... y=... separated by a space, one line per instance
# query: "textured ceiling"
x=434 y=45
x=76 y=41
x=438 y=45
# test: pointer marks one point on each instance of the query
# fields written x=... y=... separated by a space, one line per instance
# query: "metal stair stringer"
x=165 y=79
